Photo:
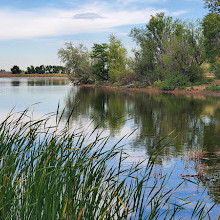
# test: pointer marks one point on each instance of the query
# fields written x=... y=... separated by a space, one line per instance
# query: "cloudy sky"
x=32 y=31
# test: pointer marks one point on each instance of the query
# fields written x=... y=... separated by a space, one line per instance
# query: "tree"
x=77 y=61
x=213 y=6
x=40 y=69
x=116 y=59
x=15 y=70
x=211 y=31
x=166 y=46
x=99 y=55
x=149 y=40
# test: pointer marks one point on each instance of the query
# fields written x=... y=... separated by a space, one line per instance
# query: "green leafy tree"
x=40 y=69
x=167 y=46
x=49 y=69
x=100 y=53
x=213 y=6
x=211 y=31
x=31 y=70
x=15 y=70
x=116 y=59
x=77 y=61
x=149 y=40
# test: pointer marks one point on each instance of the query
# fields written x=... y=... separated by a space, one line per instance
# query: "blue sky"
x=32 y=31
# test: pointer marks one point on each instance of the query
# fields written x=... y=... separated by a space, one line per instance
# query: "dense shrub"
x=214 y=88
x=174 y=80
x=216 y=68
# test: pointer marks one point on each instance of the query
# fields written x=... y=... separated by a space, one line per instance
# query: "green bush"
x=214 y=88
x=216 y=70
x=195 y=73
x=201 y=82
x=174 y=80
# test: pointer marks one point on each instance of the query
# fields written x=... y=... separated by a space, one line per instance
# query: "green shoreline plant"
x=52 y=172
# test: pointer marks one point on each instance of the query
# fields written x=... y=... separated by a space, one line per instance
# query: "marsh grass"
x=52 y=173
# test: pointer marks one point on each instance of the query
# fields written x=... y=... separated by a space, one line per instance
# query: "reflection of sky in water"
x=28 y=92
x=152 y=123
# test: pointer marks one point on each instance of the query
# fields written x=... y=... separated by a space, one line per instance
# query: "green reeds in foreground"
x=51 y=174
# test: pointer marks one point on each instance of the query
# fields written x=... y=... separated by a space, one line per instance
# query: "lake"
x=192 y=150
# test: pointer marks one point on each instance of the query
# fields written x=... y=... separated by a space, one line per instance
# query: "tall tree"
x=166 y=46
x=211 y=31
x=77 y=61
x=15 y=70
x=117 y=58
x=100 y=60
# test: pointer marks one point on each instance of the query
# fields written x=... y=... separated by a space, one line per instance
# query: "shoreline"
x=200 y=94
x=56 y=76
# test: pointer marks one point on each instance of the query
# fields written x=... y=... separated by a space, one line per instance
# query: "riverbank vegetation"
x=171 y=53
x=53 y=172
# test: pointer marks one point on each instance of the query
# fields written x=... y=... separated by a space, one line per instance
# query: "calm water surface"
x=195 y=122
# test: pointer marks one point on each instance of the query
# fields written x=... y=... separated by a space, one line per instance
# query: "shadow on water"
x=196 y=123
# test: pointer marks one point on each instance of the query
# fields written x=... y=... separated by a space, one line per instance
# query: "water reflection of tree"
x=15 y=83
x=98 y=106
x=47 y=82
x=156 y=116
x=197 y=122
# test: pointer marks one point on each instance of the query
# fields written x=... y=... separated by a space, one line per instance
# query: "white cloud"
x=127 y=2
x=87 y=16
x=58 y=22
x=177 y=13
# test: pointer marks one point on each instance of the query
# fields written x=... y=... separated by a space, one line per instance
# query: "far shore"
x=195 y=91
x=55 y=75
x=198 y=92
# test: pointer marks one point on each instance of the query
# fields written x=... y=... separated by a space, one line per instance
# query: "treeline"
x=49 y=69
x=170 y=53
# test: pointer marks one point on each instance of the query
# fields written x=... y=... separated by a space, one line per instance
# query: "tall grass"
x=51 y=173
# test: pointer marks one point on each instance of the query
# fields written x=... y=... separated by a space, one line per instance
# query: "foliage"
x=15 y=70
x=204 y=81
x=174 y=80
x=211 y=29
x=214 y=88
x=116 y=59
x=100 y=60
x=45 y=69
x=216 y=67
x=77 y=61
x=168 y=45
x=213 y=5
x=107 y=62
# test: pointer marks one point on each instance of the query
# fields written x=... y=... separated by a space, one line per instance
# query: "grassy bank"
x=52 y=172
